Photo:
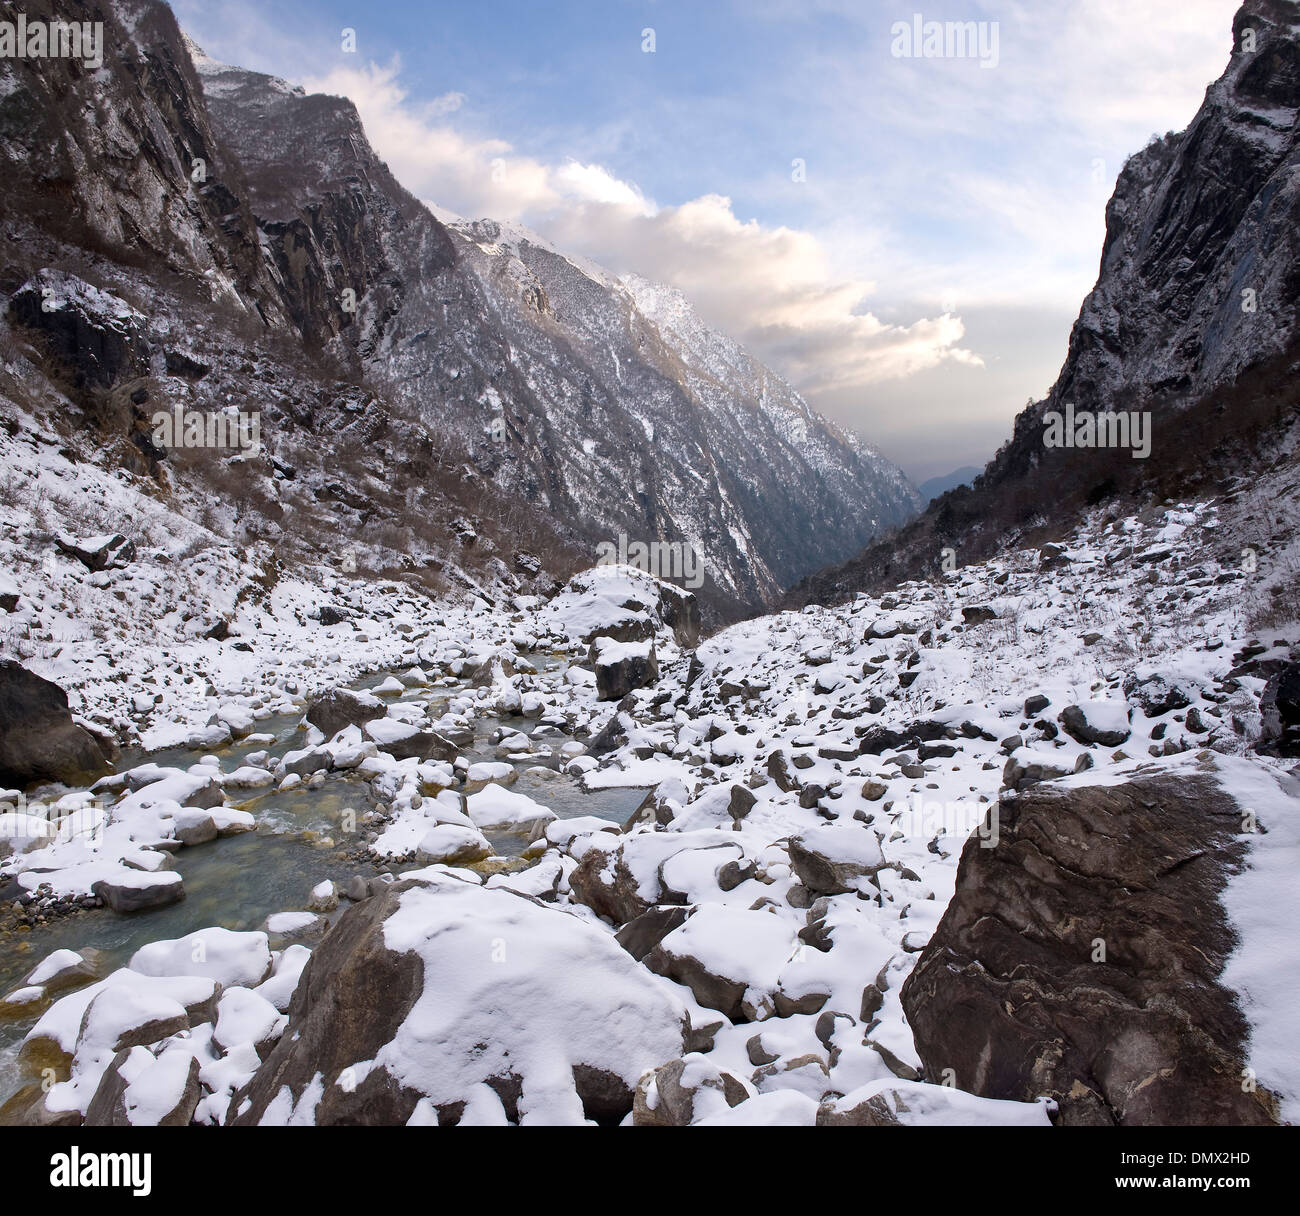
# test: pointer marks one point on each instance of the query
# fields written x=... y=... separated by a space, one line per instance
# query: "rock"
x=94 y=333
x=450 y=844
x=1101 y=722
x=742 y=802
x=99 y=552
x=244 y=1016
x=1036 y=704
x=39 y=741
x=329 y=615
x=162 y=1092
x=779 y=771
x=136 y=891
x=680 y=611
x=622 y=666
x=874 y=791
x=643 y=933
x=192 y=826
x=546 y=1018
x=978 y=615
x=678 y=1093
x=324 y=897
x=1025 y=767
x=1279 y=707
x=495 y=808
x=702 y=954
x=179 y=363
x=833 y=860
x=874 y=1111
x=1155 y=695
x=1006 y=993
x=340 y=708
x=227 y=956
x=356 y=888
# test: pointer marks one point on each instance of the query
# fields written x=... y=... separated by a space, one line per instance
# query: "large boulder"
x=836 y=858
x=1079 y=958
x=97 y=552
x=441 y=1000
x=622 y=666
x=340 y=708
x=623 y=603
x=39 y=741
x=1101 y=722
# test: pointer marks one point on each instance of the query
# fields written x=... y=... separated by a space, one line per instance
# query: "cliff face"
x=1193 y=318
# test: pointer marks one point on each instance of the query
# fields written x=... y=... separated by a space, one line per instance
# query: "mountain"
x=1192 y=323
x=927 y=491
x=427 y=384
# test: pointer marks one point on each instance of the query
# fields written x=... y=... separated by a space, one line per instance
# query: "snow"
x=498 y=809
x=224 y=955
x=524 y=989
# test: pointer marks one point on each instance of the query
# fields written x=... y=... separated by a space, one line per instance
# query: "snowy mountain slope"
x=608 y=422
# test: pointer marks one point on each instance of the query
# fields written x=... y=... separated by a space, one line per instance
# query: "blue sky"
x=918 y=283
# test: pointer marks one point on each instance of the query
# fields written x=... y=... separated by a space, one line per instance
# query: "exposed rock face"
x=39 y=741
x=98 y=337
x=1280 y=707
x=1008 y=995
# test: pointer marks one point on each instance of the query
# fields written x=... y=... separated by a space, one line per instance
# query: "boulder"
x=1102 y=722
x=136 y=891
x=1155 y=695
x=95 y=334
x=834 y=859
x=473 y=1004
x=39 y=741
x=1279 y=707
x=340 y=708
x=685 y=1090
x=450 y=844
x=98 y=552
x=1079 y=958
x=622 y=666
x=138 y=1089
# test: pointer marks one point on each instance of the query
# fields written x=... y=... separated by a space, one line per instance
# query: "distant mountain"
x=927 y=491
x=1191 y=330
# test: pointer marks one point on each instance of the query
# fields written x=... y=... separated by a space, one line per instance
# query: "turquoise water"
x=237 y=881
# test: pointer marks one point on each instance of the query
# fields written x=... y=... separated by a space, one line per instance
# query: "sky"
x=907 y=239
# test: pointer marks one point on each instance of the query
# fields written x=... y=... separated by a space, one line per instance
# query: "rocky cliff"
x=1193 y=319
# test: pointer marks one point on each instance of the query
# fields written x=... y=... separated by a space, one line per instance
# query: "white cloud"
x=773 y=288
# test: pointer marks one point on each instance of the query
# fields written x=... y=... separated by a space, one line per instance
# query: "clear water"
x=237 y=881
